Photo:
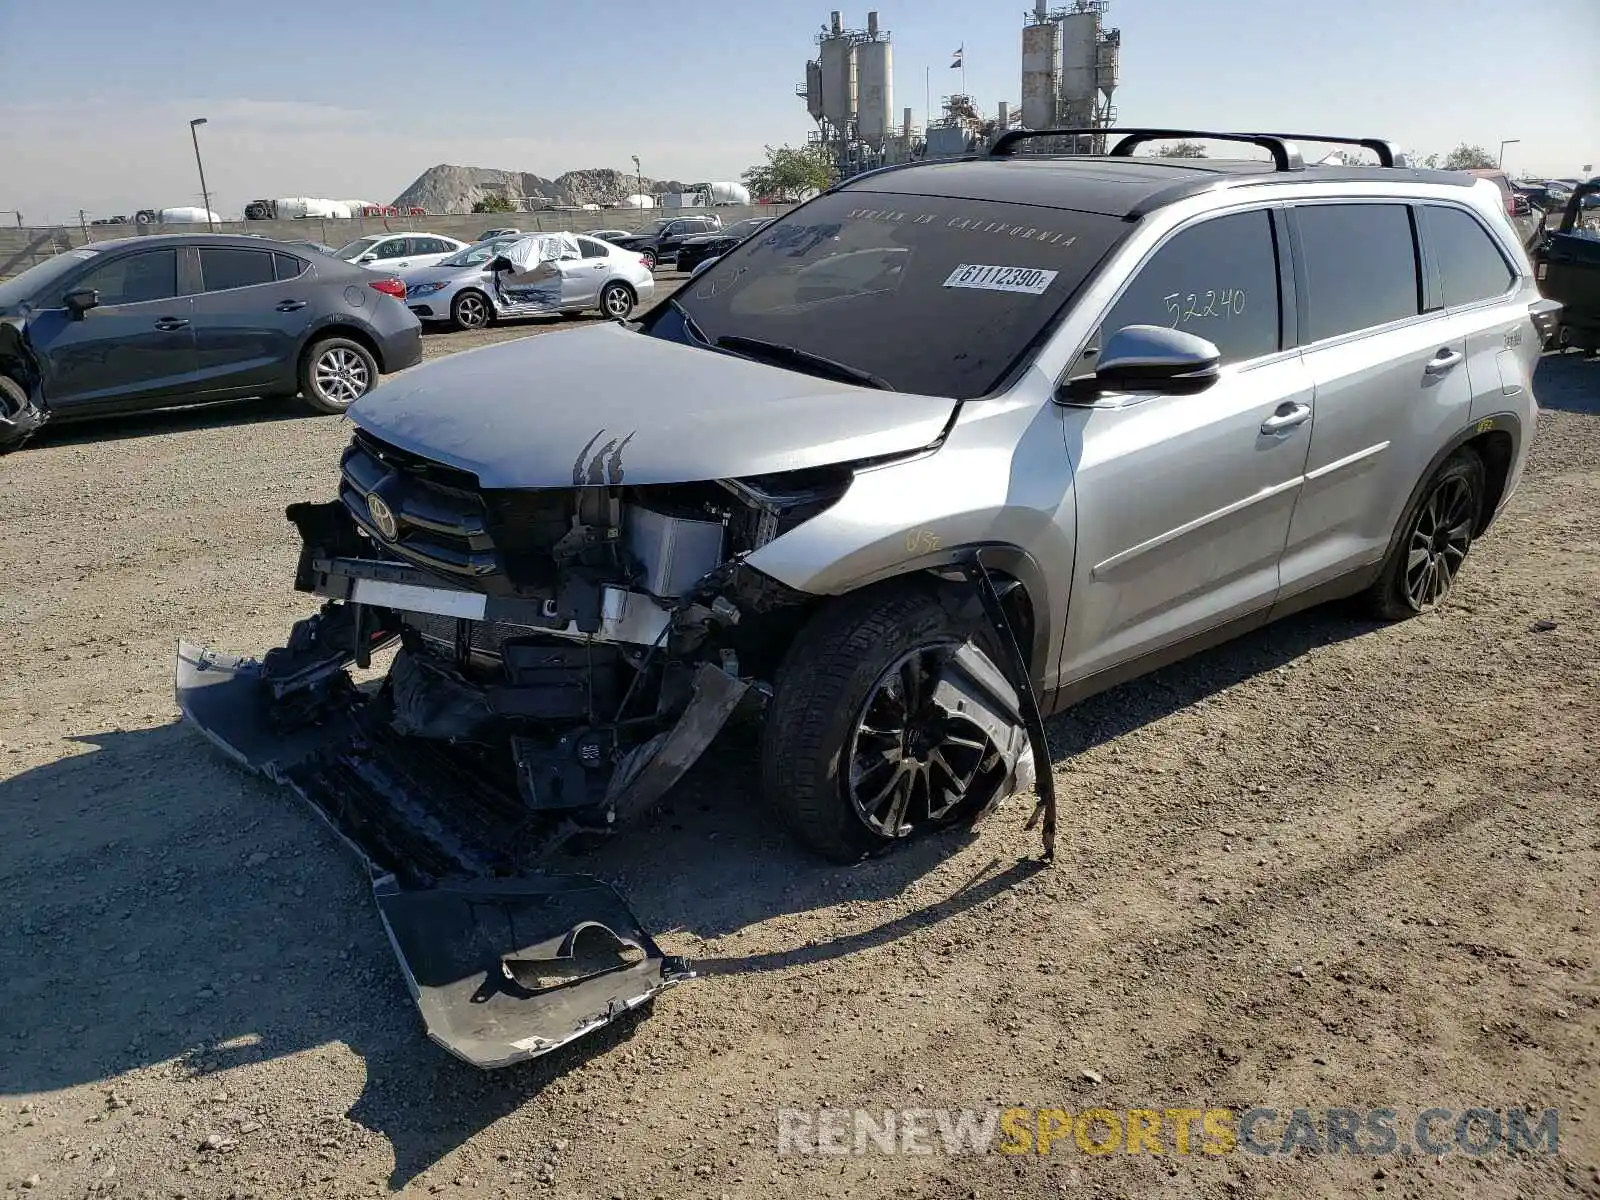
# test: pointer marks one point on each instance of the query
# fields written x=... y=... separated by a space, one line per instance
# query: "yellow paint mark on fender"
x=922 y=541
x=1485 y=425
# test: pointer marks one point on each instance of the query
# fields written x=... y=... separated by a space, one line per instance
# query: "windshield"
x=743 y=229
x=358 y=247
x=935 y=295
x=481 y=252
x=40 y=276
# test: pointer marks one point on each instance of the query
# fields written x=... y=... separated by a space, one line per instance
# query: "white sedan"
x=399 y=251
x=461 y=290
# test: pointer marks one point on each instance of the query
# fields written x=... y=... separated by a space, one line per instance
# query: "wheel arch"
x=340 y=329
x=1498 y=440
x=1024 y=592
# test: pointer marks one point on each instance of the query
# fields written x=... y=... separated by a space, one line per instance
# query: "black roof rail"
x=1285 y=154
x=1387 y=156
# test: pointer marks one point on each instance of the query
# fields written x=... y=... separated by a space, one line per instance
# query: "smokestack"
x=872 y=25
x=838 y=24
x=1039 y=9
x=906 y=125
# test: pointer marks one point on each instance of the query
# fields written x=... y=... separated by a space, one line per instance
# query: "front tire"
x=335 y=372
x=1436 y=535
x=616 y=301
x=470 y=310
x=856 y=752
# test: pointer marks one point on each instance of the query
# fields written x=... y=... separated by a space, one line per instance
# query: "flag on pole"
x=957 y=56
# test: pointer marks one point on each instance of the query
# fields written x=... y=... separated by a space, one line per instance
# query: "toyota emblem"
x=382 y=516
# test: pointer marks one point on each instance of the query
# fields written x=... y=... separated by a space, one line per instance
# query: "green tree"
x=493 y=204
x=1465 y=157
x=1181 y=150
x=790 y=172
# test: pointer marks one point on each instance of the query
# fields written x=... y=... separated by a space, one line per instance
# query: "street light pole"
x=638 y=177
x=205 y=196
x=1503 y=145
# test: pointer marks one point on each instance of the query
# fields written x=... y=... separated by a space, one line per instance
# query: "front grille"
x=446 y=523
x=440 y=517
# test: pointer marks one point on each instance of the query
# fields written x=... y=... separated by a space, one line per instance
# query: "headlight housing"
x=425 y=289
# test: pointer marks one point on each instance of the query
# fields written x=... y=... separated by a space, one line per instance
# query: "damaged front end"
x=23 y=410
x=560 y=658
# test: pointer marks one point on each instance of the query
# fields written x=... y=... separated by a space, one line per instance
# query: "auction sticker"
x=1028 y=280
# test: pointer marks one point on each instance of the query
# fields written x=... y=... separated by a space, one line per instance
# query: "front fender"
x=1001 y=481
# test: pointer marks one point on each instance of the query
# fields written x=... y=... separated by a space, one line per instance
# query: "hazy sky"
x=356 y=100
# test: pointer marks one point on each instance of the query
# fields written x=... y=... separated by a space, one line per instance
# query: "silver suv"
x=938 y=453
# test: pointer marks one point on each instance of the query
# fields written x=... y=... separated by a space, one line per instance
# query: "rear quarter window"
x=1470 y=264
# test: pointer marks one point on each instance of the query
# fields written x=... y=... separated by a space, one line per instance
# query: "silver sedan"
x=460 y=291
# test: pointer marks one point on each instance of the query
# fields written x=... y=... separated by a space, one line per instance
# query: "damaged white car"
x=928 y=457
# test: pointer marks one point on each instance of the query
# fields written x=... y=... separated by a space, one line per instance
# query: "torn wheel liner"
x=503 y=968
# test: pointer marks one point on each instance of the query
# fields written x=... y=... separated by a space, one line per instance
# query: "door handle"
x=168 y=324
x=1443 y=361
x=600 y=266
x=291 y=305
x=398 y=265
x=1286 y=418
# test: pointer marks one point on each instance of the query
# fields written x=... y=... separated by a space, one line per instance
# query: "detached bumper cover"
x=503 y=968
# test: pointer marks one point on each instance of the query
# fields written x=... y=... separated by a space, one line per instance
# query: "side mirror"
x=700 y=270
x=366 y=258
x=1148 y=358
x=81 y=302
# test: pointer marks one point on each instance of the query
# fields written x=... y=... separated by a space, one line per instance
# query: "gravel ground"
x=1331 y=864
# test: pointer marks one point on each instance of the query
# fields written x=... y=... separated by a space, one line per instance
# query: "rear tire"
x=838 y=739
x=648 y=258
x=335 y=372
x=470 y=310
x=616 y=301
x=1436 y=535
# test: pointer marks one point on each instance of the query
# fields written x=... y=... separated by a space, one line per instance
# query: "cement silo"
x=1080 y=65
x=813 y=89
x=1041 y=71
x=838 y=63
x=874 y=84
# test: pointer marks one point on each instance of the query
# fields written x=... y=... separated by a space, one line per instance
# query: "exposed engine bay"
x=560 y=658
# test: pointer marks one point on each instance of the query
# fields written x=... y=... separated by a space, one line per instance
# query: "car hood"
x=701 y=239
x=609 y=405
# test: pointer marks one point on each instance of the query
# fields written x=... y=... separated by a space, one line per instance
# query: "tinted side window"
x=149 y=275
x=1360 y=267
x=223 y=269
x=289 y=267
x=1217 y=280
x=393 y=248
x=1471 y=266
x=594 y=249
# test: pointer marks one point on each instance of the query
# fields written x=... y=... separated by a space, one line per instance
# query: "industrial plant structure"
x=1069 y=72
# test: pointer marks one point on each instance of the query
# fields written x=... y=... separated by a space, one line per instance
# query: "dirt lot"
x=1331 y=865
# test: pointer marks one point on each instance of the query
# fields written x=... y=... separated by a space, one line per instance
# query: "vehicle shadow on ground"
x=174 y=420
x=1568 y=382
x=170 y=907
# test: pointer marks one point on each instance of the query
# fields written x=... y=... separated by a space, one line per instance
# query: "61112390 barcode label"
x=1028 y=280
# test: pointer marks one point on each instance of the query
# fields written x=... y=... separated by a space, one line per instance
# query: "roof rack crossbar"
x=1387 y=156
x=1285 y=154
